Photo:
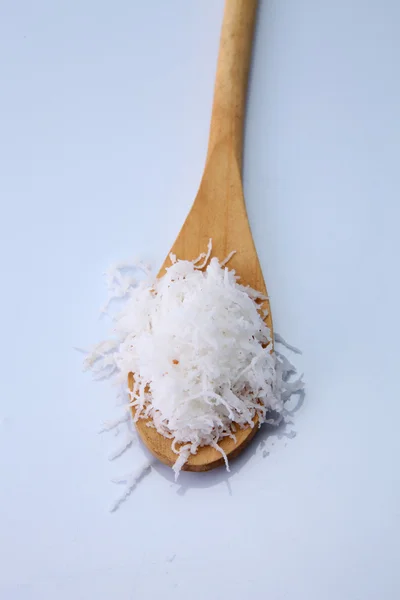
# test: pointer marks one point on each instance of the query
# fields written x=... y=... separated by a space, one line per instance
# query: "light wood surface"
x=219 y=210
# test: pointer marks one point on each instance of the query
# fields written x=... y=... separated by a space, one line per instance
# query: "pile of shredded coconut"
x=200 y=351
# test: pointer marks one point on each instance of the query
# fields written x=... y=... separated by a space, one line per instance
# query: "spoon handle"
x=232 y=74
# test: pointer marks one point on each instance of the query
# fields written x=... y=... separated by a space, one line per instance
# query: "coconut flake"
x=201 y=354
x=131 y=482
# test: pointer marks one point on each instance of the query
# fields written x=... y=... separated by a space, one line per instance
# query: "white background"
x=104 y=112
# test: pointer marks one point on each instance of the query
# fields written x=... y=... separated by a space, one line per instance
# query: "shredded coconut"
x=201 y=353
x=131 y=482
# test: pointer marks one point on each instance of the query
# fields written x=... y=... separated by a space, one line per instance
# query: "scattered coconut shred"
x=201 y=353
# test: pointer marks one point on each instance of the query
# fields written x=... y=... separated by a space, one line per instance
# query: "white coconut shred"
x=201 y=353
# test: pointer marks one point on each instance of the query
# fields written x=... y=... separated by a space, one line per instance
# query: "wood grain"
x=219 y=210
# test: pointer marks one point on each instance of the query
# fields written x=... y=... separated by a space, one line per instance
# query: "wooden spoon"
x=219 y=210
